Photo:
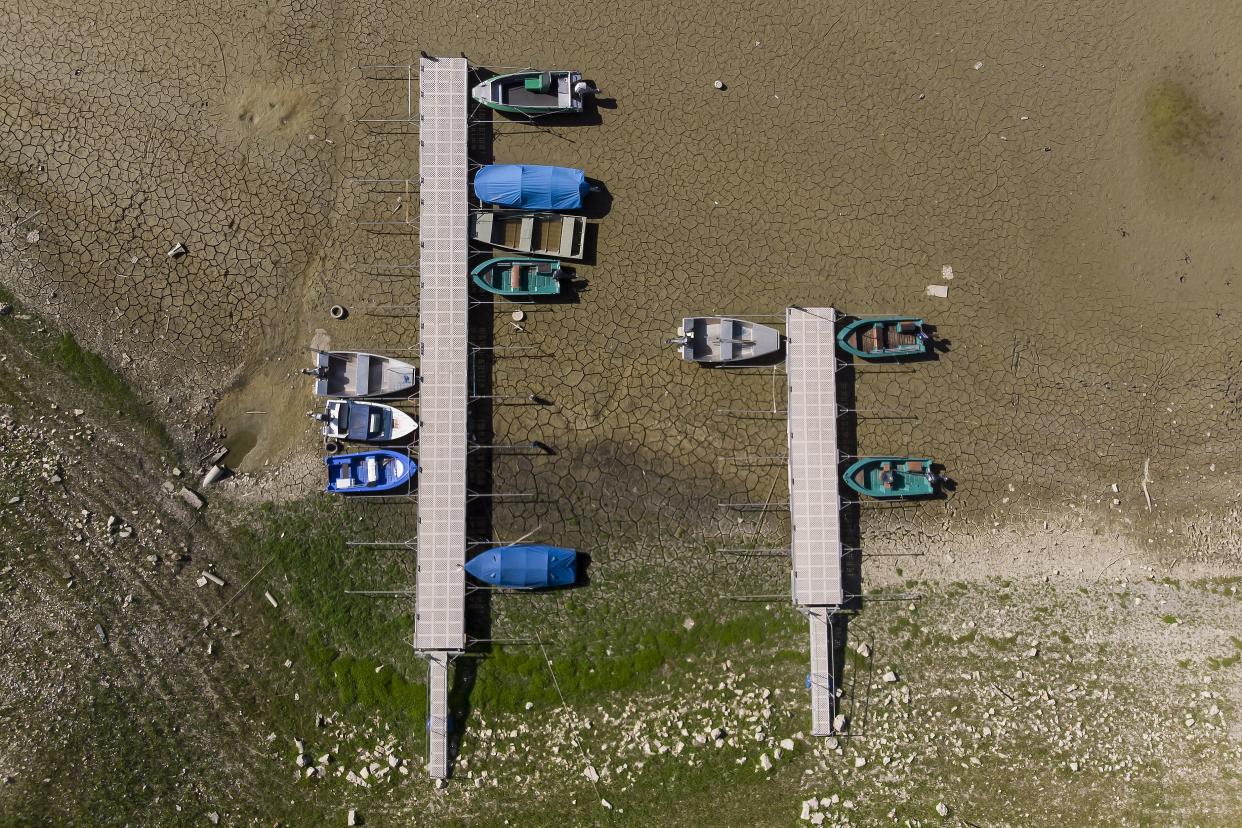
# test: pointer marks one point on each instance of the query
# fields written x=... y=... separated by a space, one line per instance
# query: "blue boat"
x=530 y=187
x=533 y=566
x=367 y=472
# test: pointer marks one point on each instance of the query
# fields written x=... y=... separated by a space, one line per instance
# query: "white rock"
x=939 y=291
x=942 y=809
x=859 y=761
x=946 y=272
x=787 y=744
x=889 y=677
x=606 y=804
x=765 y=762
x=591 y=774
x=352 y=818
x=817 y=818
x=864 y=650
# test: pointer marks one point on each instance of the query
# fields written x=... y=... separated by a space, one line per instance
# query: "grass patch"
x=1179 y=123
x=1169 y=619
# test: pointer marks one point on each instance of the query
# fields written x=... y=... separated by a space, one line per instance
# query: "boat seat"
x=377 y=422
x=362 y=375
x=860 y=477
x=370 y=471
x=515 y=277
x=915 y=467
x=344 y=480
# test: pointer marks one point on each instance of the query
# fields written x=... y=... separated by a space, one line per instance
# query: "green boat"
x=516 y=276
x=892 y=477
x=884 y=337
x=534 y=92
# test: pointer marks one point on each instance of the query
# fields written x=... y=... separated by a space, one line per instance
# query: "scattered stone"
x=839 y=723
x=5 y=308
x=942 y=809
x=213 y=474
x=860 y=761
x=787 y=744
x=946 y=272
x=765 y=762
x=272 y=601
x=303 y=760
x=864 y=650
x=213 y=818
x=591 y=774
x=606 y=804
x=213 y=577
x=102 y=633
x=352 y=818
x=191 y=497
x=1033 y=652
x=889 y=677
x=688 y=624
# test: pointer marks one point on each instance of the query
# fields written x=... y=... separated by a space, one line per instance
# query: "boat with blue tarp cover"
x=364 y=422
x=367 y=472
x=531 y=187
x=528 y=566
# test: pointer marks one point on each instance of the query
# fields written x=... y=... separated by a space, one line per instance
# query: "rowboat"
x=721 y=339
x=890 y=477
x=515 y=276
x=364 y=422
x=533 y=92
x=358 y=374
x=539 y=234
x=533 y=566
x=367 y=472
x=884 y=337
x=531 y=187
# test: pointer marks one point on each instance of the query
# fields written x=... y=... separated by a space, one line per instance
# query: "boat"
x=722 y=339
x=884 y=337
x=531 y=187
x=516 y=276
x=539 y=234
x=367 y=472
x=357 y=374
x=533 y=92
x=364 y=422
x=890 y=477
x=532 y=566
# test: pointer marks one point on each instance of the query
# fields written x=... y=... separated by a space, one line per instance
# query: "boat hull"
x=518 y=276
x=366 y=422
x=356 y=374
x=508 y=93
x=714 y=340
x=887 y=478
x=368 y=472
x=532 y=566
x=890 y=337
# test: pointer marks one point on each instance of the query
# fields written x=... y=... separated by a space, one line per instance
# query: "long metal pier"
x=440 y=594
x=814 y=499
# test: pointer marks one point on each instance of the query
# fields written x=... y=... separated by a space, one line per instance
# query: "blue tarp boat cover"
x=530 y=187
x=532 y=566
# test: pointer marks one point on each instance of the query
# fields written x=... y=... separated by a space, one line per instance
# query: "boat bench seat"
x=515 y=277
x=344 y=480
x=914 y=467
x=369 y=472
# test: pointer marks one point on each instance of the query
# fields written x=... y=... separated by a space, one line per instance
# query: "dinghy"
x=723 y=339
x=534 y=92
x=892 y=477
x=531 y=187
x=519 y=277
x=532 y=566
x=357 y=374
x=884 y=337
x=364 y=422
x=539 y=234
x=368 y=472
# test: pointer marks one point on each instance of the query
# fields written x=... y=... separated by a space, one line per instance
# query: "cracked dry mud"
x=1089 y=327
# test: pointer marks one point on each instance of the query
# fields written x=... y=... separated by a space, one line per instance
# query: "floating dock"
x=440 y=593
x=814 y=498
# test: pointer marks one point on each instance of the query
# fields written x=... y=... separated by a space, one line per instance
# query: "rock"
x=191 y=497
x=688 y=624
x=1033 y=652
x=864 y=650
x=176 y=472
x=832 y=742
x=765 y=762
x=860 y=761
x=303 y=760
x=530 y=705
x=113 y=521
x=352 y=817
x=213 y=474
x=942 y=809
x=13 y=501
x=169 y=487
x=77 y=412
x=102 y=633
x=787 y=744
x=5 y=308
x=394 y=761
x=889 y=677
x=213 y=818
x=939 y=291
x=946 y=272
x=839 y=723
x=606 y=804
x=213 y=577
x=591 y=774
x=325 y=759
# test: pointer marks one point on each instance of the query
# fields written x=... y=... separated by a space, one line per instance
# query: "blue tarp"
x=529 y=187
x=533 y=566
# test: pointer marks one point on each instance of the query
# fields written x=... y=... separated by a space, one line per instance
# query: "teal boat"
x=890 y=477
x=884 y=337
x=517 y=276
x=534 y=92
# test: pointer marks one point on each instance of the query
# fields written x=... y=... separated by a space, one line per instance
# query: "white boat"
x=364 y=422
x=539 y=234
x=359 y=374
x=721 y=339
